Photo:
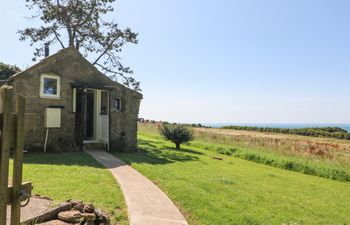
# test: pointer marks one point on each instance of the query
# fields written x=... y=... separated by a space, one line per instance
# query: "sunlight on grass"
x=66 y=176
x=236 y=191
x=283 y=155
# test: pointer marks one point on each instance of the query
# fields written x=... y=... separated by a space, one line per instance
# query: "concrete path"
x=147 y=204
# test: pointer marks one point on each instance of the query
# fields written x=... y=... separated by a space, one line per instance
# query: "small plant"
x=226 y=151
x=176 y=133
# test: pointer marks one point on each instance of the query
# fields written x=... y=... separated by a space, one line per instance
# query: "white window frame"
x=50 y=76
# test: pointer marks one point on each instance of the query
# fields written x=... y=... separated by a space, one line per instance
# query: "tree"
x=80 y=24
x=7 y=70
x=176 y=133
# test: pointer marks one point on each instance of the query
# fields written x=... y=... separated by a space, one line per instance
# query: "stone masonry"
x=72 y=67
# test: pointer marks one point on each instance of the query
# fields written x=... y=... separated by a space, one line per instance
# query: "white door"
x=103 y=117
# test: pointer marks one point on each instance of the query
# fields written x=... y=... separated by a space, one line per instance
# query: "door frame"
x=101 y=134
x=102 y=120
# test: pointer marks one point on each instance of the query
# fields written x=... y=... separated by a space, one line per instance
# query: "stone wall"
x=71 y=66
x=123 y=127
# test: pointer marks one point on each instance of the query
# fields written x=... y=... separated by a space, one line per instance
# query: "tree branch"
x=58 y=39
x=80 y=24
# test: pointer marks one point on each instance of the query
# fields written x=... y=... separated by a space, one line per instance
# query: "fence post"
x=18 y=160
x=6 y=135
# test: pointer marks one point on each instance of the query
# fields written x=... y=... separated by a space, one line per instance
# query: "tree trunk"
x=177 y=145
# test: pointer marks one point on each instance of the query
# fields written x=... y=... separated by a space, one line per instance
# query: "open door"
x=79 y=96
x=103 y=117
x=91 y=109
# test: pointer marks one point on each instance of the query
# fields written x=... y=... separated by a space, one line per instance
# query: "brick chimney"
x=47 y=49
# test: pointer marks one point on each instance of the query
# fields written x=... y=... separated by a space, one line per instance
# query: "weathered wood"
x=26 y=187
x=6 y=138
x=18 y=160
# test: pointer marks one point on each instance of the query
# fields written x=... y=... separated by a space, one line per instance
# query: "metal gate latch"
x=23 y=196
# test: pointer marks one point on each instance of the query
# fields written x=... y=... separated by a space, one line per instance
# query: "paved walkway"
x=147 y=204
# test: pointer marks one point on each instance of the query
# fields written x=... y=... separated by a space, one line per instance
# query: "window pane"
x=104 y=103
x=117 y=104
x=50 y=86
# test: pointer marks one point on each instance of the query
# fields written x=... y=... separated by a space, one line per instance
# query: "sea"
x=280 y=125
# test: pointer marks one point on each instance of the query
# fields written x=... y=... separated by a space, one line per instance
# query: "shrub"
x=7 y=70
x=347 y=136
x=225 y=151
x=328 y=132
x=176 y=133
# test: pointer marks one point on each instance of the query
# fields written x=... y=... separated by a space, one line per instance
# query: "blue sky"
x=248 y=61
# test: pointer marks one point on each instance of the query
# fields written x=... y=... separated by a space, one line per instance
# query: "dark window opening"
x=117 y=104
x=104 y=103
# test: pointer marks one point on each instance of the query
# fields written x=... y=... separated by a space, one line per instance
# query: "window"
x=49 y=86
x=104 y=103
x=117 y=104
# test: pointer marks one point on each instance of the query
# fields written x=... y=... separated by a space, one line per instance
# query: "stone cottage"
x=71 y=105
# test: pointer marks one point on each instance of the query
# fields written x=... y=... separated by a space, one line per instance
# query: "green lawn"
x=236 y=191
x=66 y=176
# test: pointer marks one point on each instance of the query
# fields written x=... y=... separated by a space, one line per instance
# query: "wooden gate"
x=12 y=137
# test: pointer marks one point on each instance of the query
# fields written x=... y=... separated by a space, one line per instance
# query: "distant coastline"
x=279 y=125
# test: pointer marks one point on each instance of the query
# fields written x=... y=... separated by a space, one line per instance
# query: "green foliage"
x=328 y=132
x=226 y=151
x=8 y=70
x=298 y=166
x=176 y=133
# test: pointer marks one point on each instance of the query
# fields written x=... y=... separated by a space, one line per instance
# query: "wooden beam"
x=6 y=131
x=6 y=136
x=26 y=187
x=18 y=160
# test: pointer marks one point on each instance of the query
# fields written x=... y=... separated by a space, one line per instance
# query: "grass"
x=236 y=191
x=277 y=151
x=325 y=149
x=66 y=176
x=310 y=166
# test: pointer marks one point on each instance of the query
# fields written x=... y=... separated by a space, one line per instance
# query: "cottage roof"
x=71 y=51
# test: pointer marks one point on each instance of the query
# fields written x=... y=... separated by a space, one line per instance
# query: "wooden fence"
x=12 y=137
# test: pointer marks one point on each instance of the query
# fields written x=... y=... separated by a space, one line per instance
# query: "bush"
x=7 y=70
x=347 y=136
x=328 y=132
x=225 y=151
x=176 y=133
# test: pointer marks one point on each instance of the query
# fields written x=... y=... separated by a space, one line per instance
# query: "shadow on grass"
x=64 y=158
x=156 y=152
x=161 y=145
x=151 y=152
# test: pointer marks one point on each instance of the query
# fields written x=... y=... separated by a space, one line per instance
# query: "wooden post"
x=6 y=135
x=26 y=187
x=18 y=160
